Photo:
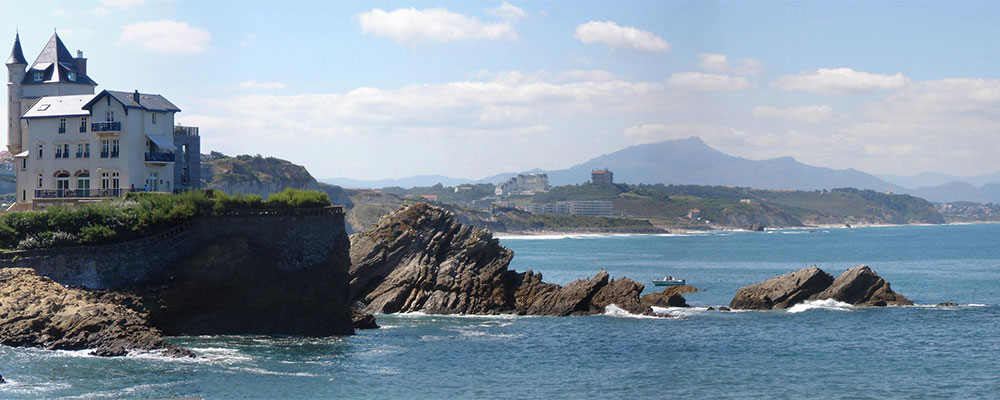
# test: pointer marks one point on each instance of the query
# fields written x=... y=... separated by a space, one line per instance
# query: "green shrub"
x=97 y=234
x=292 y=198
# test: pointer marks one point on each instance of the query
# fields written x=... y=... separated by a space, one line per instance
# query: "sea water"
x=816 y=350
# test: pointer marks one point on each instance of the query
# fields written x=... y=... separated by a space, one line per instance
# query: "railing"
x=185 y=130
x=161 y=157
x=77 y=193
x=106 y=126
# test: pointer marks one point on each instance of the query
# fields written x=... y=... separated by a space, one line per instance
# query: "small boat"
x=668 y=281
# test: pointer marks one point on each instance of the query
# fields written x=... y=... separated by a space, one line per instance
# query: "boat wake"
x=828 y=304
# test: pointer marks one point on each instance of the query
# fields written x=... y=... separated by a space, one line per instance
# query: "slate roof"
x=148 y=102
x=16 y=55
x=55 y=62
x=59 y=106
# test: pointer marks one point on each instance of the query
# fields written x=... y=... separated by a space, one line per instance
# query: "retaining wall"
x=297 y=238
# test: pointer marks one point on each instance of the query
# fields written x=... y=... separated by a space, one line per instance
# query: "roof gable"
x=148 y=102
x=56 y=63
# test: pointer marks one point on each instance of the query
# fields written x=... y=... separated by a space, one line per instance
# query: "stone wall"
x=295 y=239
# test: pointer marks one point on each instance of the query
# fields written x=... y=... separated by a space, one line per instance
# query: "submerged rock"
x=35 y=311
x=947 y=304
x=782 y=291
x=421 y=258
x=860 y=286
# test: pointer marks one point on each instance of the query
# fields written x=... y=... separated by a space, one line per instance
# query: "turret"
x=16 y=65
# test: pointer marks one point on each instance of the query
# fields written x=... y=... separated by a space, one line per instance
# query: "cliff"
x=246 y=174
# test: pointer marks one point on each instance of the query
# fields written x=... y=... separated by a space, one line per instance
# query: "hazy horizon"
x=382 y=90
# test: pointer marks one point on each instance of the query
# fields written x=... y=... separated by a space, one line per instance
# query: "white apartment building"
x=71 y=145
x=524 y=184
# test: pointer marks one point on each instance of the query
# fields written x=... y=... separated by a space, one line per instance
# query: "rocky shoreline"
x=417 y=258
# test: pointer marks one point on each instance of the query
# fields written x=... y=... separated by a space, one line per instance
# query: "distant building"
x=462 y=188
x=524 y=184
x=694 y=213
x=602 y=177
x=429 y=196
x=573 y=207
x=746 y=201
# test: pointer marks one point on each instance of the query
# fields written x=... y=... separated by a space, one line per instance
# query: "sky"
x=374 y=89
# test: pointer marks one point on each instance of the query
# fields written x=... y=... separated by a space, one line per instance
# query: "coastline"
x=681 y=231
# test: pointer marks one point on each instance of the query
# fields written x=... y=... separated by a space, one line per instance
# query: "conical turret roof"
x=16 y=55
x=56 y=64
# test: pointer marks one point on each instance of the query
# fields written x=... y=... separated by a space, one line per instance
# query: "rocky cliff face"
x=858 y=286
x=421 y=258
x=258 y=175
x=34 y=311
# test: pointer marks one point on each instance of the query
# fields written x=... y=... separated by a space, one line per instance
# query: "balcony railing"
x=106 y=126
x=160 y=157
x=77 y=193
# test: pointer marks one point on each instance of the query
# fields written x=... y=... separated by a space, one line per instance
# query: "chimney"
x=81 y=63
x=135 y=97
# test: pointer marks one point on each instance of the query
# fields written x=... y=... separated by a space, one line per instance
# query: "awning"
x=162 y=142
x=22 y=154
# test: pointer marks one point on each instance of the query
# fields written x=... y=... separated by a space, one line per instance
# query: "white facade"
x=573 y=207
x=524 y=184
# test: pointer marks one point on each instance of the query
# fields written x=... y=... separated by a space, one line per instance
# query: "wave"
x=828 y=304
x=612 y=310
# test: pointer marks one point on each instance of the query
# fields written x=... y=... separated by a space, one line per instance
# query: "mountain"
x=408 y=182
x=691 y=161
x=931 y=179
x=951 y=192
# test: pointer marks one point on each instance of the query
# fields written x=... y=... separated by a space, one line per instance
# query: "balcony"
x=106 y=127
x=159 y=157
x=77 y=193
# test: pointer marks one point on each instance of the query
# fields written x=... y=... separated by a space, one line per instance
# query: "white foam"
x=977 y=305
x=612 y=310
x=828 y=304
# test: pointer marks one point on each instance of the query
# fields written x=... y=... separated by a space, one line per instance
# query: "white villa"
x=71 y=145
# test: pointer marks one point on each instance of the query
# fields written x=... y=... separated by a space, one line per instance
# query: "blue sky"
x=468 y=89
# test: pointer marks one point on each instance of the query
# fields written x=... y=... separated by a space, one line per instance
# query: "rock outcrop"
x=669 y=297
x=421 y=258
x=859 y=286
x=35 y=311
x=782 y=291
x=363 y=320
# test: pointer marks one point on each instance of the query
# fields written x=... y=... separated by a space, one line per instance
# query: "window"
x=71 y=76
x=40 y=177
x=184 y=153
x=40 y=148
x=114 y=180
x=154 y=118
x=114 y=148
x=105 y=148
x=83 y=125
x=105 y=180
x=62 y=125
x=83 y=181
x=79 y=150
x=86 y=150
x=185 y=175
x=109 y=115
x=59 y=152
x=24 y=163
x=38 y=76
x=62 y=183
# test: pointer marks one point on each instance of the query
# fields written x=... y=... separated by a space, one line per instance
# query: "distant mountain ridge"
x=691 y=161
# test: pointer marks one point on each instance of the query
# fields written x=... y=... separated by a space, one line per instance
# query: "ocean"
x=819 y=350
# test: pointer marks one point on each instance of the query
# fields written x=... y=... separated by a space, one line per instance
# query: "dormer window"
x=71 y=76
x=38 y=76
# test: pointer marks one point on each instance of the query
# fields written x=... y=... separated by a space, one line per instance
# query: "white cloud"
x=888 y=150
x=595 y=75
x=620 y=37
x=251 y=84
x=703 y=81
x=166 y=37
x=122 y=3
x=840 y=81
x=809 y=114
x=412 y=26
x=97 y=12
x=508 y=11
x=719 y=63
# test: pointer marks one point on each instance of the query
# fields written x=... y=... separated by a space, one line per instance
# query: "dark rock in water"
x=710 y=308
x=623 y=293
x=363 y=320
x=2 y=381
x=782 y=291
x=35 y=311
x=724 y=308
x=669 y=297
x=421 y=258
x=758 y=227
x=947 y=304
x=860 y=286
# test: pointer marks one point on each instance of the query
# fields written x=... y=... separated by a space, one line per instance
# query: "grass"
x=135 y=216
